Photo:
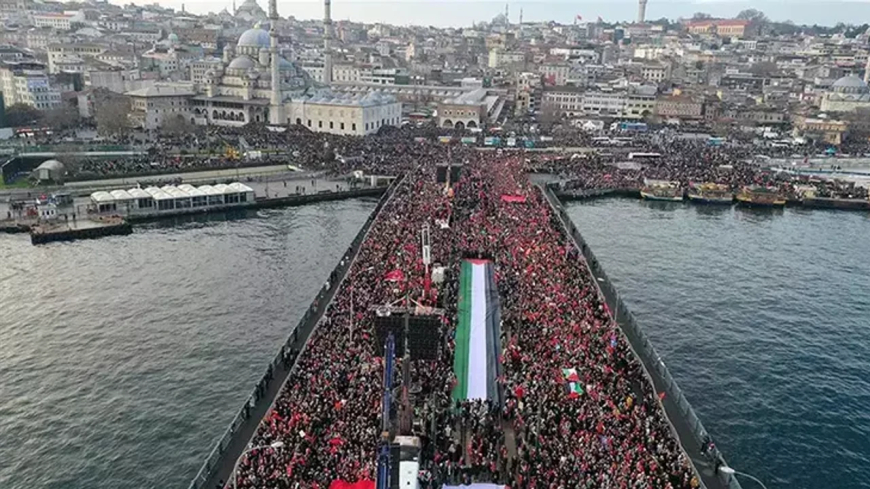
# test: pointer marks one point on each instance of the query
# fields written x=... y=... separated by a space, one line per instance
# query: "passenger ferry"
x=710 y=193
x=661 y=190
x=757 y=196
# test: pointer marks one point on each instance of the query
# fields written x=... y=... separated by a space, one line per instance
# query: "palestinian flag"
x=572 y=382
x=476 y=362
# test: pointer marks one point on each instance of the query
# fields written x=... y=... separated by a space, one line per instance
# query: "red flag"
x=395 y=276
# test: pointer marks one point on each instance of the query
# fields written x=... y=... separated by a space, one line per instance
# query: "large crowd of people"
x=693 y=160
x=538 y=436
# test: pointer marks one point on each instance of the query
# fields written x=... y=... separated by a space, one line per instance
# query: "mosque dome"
x=173 y=38
x=850 y=84
x=255 y=38
x=241 y=63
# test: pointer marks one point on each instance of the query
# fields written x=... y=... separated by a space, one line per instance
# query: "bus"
x=409 y=461
x=644 y=156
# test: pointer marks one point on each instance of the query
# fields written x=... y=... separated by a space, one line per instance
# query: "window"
x=353 y=126
x=309 y=122
x=342 y=126
x=320 y=124
x=330 y=125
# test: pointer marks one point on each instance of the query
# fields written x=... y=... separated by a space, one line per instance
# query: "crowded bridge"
x=574 y=409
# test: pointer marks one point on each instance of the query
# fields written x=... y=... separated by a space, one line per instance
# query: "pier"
x=77 y=220
x=48 y=232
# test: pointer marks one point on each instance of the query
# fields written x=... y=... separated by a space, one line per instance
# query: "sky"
x=459 y=13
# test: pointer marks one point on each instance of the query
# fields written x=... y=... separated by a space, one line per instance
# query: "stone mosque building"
x=848 y=94
x=255 y=83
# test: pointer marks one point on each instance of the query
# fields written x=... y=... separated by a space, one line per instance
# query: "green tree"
x=752 y=15
x=18 y=115
x=701 y=16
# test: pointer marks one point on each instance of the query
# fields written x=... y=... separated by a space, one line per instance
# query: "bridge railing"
x=676 y=406
x=312 y=315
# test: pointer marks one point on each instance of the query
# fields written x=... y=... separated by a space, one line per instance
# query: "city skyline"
x=442 y=13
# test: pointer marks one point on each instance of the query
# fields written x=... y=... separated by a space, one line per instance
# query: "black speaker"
x=441 y=173
x=424 y=337
x=455 y=173
x=384 y=325
x=395 y=453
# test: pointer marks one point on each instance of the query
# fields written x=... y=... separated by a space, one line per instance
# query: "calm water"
x=123 y=359
x=762 y=317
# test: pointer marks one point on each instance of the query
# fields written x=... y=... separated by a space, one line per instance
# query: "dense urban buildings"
x=248 y=65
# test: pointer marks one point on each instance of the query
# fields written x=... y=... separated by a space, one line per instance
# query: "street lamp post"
x=276 y=445
x=728 y=470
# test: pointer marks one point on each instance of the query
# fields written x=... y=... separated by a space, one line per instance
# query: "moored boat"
x=661 y=190
x=758 y=196
x=710 y=193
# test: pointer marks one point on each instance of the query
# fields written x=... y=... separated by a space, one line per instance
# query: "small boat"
x=758 y=196
x=710 y=193
x=661 y=190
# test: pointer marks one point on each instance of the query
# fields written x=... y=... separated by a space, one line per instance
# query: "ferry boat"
x=710 y=193
x=661 y=190
x=757 y=196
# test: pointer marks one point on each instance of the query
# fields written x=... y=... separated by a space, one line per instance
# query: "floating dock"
x=79 y=229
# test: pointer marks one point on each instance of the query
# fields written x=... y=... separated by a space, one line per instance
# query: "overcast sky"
x=459 y=13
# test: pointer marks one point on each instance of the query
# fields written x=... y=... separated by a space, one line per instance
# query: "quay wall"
x=220 y=462
x=680 y=414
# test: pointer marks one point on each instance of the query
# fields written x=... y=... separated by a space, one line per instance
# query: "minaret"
x=507 y=17
x=327 y=43
x=276 y=107
x=641 y=11
x=867 y=72
x=521 y=23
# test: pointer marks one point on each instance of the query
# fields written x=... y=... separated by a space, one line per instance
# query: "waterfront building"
x=25 y=82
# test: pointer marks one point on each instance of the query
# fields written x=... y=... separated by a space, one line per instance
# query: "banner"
x=511 y=142
x=340 y=484
x=469 y=140
x=445 y=139
x=478 y=485
x=513 y=199
x=476 y=360
x=491 y=141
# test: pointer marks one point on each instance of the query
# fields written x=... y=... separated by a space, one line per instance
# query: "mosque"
x=848 y=94
x=255 y=82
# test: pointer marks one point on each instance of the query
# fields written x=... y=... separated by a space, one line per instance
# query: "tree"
x=63 y=117
x=701 y=16
x=176 y=124
x=753 y=15
x=18 y=115
x=112 y=113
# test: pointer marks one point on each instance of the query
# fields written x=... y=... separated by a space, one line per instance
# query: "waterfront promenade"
x=327 y=399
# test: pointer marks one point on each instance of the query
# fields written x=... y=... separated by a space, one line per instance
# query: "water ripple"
x=761 y=317
x=123 y=359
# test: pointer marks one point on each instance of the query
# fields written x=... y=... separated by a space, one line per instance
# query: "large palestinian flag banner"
x=476 y=360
